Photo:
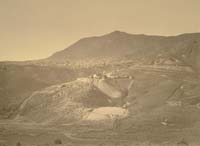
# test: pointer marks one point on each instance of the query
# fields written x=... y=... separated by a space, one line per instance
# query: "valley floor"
x=148 y=129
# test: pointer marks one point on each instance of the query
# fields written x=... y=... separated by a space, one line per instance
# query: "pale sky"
x=33 y=29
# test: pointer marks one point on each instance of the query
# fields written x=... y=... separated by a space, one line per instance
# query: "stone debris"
x=174 y=103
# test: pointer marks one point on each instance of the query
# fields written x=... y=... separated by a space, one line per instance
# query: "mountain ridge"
x=117 y=44
x=115 y=33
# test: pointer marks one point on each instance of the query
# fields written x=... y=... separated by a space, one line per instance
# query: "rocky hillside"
x=74 y=101
x=108 y=97
x=17 y=82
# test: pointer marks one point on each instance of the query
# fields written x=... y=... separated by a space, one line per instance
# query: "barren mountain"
x=140 y=48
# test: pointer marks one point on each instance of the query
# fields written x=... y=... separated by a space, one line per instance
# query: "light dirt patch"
x=106 y=113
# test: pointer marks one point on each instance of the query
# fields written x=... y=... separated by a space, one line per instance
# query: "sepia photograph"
x=99 y=72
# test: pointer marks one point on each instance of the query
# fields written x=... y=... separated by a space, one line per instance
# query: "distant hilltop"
x=142 y=48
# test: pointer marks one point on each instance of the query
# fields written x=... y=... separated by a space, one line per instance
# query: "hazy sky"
x=32 y=29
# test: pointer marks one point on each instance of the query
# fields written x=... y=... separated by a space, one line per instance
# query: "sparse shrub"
x=46 y=144
x=58 y=141
x=63 y=86
x=183 y=142
x=18 y=144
